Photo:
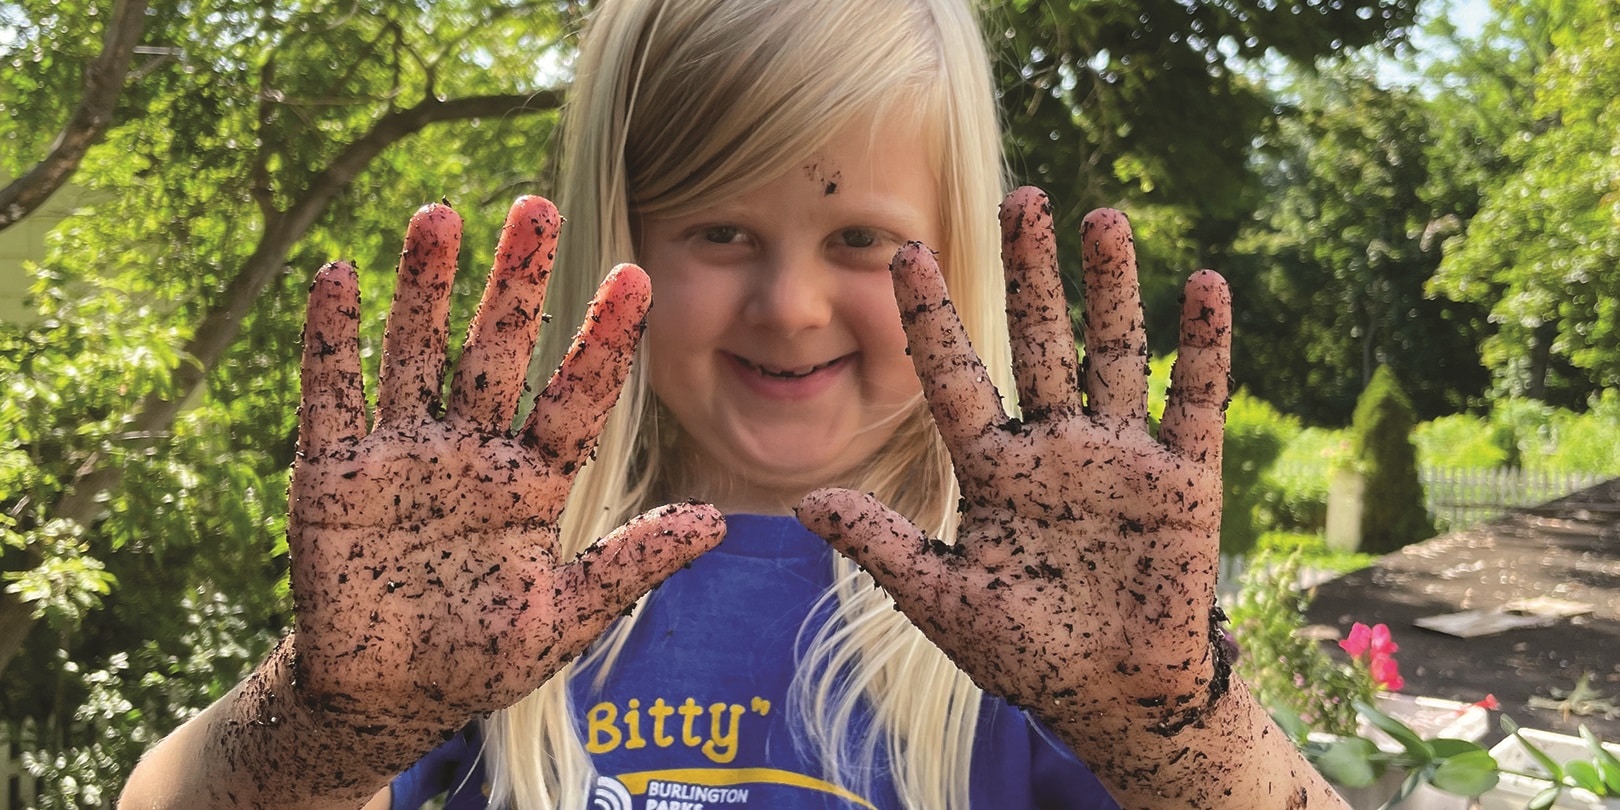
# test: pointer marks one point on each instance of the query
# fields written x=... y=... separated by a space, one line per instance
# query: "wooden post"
x=1344 y=510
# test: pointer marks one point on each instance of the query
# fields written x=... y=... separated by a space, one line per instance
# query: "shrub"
x=1293 y=492
x=1587 y=442
x=1312 y=550
x=1526 y=425
x=1282 y=666
x=1393 y=512
x=1464 y=440
x=1255 y=436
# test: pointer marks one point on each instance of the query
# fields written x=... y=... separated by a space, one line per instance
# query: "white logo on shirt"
x=610 y=794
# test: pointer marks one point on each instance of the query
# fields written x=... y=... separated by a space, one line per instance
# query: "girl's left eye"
x=722 y=234
x=858 y=237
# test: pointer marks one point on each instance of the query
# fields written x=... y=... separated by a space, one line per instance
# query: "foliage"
x=1460 y=767
x=1291 y=497
x=1541 y=252
x=1153 y=104
x=1255 y=436
x=1320 y=703
x=1465 y=440
x=1589 y=441
x=1331 y=268
x=1528 y=434
x=1288 y=672
x=112 y=592
x=234 y=136
x=1294 y=491
x=1313 y=552
x=1393 y=512
x=1598 y=774
x=67 y=583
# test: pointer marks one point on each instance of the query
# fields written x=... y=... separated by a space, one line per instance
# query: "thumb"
x=611 y=575
x=897 y=554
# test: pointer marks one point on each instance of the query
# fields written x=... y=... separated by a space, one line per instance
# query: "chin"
x=793 y=480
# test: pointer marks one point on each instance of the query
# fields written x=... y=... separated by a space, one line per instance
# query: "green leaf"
x=1409 y=785
x=1607 y=765
x=1466 y=774
x=1584 y=774
x=1414 y=745
x=1350 y=762
x=1554 y=771
x=1544 y=799
x=1291 y=724
x=1446 y=747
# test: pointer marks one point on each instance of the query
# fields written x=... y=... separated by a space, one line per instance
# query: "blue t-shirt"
x=694 y=713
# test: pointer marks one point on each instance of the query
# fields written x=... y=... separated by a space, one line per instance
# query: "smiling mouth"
x=786 y=373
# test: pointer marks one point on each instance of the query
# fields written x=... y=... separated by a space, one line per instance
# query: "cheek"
x=668 y=348
x=681 y=314
x=884 y=342
x=672 y=349
x=880 y=318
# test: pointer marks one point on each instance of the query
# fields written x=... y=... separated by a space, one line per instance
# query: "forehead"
x=866 y=169
x=870 y=155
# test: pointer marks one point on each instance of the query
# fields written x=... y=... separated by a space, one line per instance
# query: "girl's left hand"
x=1082 y=583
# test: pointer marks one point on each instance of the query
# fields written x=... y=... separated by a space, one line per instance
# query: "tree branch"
x=82 y=501
x=103 y=84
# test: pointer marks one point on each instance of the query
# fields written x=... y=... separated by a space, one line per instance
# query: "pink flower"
x=1385 y=673
x=1360 y=639
x=1381 y=643
x=1489 y=702
x=1374 y=645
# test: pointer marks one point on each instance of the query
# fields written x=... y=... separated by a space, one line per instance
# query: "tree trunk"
x=82 y=501
x=1541 y=341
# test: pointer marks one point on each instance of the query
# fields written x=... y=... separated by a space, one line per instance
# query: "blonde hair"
x=676 y=104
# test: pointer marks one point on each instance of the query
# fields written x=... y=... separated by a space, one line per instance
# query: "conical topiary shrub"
x=1392 y=512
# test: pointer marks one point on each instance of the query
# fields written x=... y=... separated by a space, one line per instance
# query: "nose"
x=791 y=293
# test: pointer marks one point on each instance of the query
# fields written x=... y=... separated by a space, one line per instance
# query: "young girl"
x=765 y=162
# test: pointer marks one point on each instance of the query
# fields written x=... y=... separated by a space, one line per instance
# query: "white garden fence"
x=17 y=787
x=1457 y=497
x=1460 y=497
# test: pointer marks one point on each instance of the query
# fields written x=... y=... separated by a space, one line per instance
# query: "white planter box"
x=1514 y=791
x=1430 y=718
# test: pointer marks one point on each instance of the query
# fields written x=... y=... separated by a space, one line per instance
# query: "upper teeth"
x=789 y=373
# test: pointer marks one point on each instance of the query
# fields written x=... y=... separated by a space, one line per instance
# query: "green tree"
x=1393 y=513
x=1151 y=106
x=1541 y=254
x=147 y=420
x=1332 y=269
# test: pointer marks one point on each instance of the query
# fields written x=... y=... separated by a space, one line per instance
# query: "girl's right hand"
x=425 y=570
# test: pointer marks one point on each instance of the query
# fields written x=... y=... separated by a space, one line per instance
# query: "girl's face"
x=775 y=340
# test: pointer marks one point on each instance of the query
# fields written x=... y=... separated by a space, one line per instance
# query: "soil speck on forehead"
x=827 y=180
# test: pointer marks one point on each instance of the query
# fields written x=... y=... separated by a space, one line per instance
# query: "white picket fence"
x=1460 y=497
x=1457 y=497
x=17 y=787
x=21 y=790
